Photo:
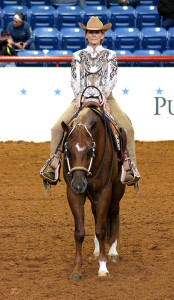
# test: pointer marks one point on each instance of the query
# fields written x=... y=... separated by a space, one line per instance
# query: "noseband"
x=92 y=154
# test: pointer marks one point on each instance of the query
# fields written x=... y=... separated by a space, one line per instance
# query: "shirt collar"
x=97 y=50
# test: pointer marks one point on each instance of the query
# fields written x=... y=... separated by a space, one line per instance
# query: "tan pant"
x=123 y=122
x=119 y=116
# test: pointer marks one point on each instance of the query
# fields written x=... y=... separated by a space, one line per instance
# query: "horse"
x=91 y=169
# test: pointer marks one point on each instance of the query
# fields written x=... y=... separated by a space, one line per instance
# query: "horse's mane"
x=86 y=117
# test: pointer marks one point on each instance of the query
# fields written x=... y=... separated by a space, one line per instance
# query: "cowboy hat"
x=95 y=24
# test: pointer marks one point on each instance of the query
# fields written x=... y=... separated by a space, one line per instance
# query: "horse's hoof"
x=76 y=277
x=114 y=258
x=103 y=274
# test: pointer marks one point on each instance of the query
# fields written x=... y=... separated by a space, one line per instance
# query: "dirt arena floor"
x=36 y=234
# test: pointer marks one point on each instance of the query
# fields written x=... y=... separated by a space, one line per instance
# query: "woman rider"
x=94 y=66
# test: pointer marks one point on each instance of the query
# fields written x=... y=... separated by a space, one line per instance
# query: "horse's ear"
x=65 y=127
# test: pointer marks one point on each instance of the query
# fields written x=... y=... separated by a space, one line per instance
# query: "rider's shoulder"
x=112 y=53
x=77 y=54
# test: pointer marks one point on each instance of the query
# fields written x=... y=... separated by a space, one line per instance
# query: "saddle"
x=118 y=134
x=119 y=138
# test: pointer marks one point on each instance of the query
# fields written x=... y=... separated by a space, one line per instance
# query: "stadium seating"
x=123 y=53
x=93 y=2
x=146 y=53
x=46 y=38
x=42 y=16
x=100 y=11
x=72 y=39
x=154 y=38
x=10 y=10
x=127 y=38
x=59 y=5
x=171 y=38
x=11 y=2
x=59 y=53
x=30 y=53
x=1 y=18
x=148 y=2
x=68 y=16
x=112 y=4
x=30 y=3
x=109 y=39
x=122 y=16
x=147 y=16
x=167 y=53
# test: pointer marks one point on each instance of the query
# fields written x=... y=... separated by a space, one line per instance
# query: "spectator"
x=166 y=10
x=81 y=3
x=21 y=32
x=133 y=3
x=7 y=48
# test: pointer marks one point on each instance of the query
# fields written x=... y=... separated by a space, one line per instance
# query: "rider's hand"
x=103 y=102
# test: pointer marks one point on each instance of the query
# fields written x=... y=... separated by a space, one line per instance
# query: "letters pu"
x=161 y=102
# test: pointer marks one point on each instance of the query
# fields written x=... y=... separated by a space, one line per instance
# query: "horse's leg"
x=96 y=243
x=100 y=231
x=76 y=203
x=96 y=248
x=117 y=193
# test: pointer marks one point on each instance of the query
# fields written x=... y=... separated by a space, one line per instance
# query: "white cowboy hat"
x=95 y=24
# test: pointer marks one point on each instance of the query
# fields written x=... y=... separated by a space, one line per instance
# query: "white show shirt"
x=93 y=68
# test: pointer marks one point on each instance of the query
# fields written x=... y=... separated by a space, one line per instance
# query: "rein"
x=107 y=129
x=71 y=170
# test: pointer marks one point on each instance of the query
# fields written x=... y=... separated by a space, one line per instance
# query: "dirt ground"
x=36 y=234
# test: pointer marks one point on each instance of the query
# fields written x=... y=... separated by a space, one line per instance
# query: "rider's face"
x=94 y=37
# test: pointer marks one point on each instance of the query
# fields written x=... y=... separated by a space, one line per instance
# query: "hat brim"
x=106 y=27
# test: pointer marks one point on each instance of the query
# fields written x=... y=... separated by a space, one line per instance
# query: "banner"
x=32 y=99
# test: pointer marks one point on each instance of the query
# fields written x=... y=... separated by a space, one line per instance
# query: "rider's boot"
x=130 y=177
x=53 y=173
x=129 y=174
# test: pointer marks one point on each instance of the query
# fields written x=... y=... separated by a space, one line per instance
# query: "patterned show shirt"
x=93 y=68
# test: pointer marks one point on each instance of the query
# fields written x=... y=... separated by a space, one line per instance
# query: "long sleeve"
x=75 y=76
x=91 y=69
x=110 y=75
x=29 y=35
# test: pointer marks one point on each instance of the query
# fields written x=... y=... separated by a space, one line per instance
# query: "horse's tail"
x=108 y=227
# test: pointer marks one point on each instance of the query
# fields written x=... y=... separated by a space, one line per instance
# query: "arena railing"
x=58 y=59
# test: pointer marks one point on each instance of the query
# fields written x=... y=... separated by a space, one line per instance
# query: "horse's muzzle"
x=79 y=182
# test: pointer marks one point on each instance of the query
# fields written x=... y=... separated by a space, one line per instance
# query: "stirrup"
x=56 y=170
x=135 y=175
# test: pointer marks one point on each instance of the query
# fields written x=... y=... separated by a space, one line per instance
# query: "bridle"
x=92 y=154
x=87 y=171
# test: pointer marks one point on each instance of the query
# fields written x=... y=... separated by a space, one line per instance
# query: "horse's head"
x=79 y=153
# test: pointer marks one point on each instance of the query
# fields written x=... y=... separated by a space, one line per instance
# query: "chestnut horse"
x=91 y=169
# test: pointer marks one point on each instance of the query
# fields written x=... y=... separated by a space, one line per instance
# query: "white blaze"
x=79 y=148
